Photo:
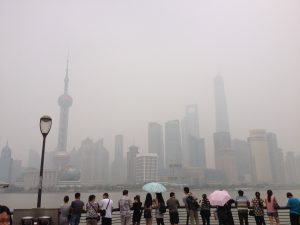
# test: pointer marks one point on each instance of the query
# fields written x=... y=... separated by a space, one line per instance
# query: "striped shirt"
x=242 y=203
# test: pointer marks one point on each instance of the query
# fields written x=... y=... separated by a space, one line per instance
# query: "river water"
x=54 y=200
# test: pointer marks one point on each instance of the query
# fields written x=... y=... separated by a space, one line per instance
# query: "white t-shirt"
x=103 y=203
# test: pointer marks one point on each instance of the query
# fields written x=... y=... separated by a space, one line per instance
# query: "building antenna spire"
x=67 y=74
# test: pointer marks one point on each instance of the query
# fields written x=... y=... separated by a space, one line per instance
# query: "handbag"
x=276 y=205
x=251 y=212
x=103 y=211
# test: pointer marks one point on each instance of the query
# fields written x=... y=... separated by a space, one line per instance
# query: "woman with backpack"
x=205 y=210
x=160 y=208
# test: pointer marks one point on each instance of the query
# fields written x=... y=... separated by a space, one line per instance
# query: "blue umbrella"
x=154 y=187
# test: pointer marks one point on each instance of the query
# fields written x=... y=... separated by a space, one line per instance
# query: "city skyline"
x=134 y=63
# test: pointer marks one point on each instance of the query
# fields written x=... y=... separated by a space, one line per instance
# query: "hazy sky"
x=132 y=62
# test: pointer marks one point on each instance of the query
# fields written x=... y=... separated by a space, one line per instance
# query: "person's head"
x=186 y=190
x=269 y=195
x=77 y=195
x=289 y=195
x=105 y=195
x=92 y=198
x=5 y=215
x=137 y=198
x=159 y=197
x=204 y=196
x=148 y=200
x=241 y=193
x=66 y=199
x=125 y=192
x=172 y=194
x=257 y=195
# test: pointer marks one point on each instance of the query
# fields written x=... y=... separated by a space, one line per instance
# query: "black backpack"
x=192 y=203
x=162 y=208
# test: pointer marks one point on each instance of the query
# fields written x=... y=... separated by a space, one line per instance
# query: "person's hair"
x=269 y=193
x=138 y=198
x=66 y=199
x=160 y=198
x=289 y=194
x=92 y=198
x=105 y=195
x=172 y=194
x=241 y=193
x=125 y=192
x=204 y=196
x=77 y=195
x=5 y=209
x=148 y=200
x=186 y=189
x=257 y=195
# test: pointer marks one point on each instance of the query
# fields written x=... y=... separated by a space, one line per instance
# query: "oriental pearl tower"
x=61 y=157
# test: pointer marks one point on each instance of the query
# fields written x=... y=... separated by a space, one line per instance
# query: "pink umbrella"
x=219 y=198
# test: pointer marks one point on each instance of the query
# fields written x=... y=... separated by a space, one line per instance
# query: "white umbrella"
x=154 y=187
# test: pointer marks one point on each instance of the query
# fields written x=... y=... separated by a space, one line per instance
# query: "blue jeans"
x=75 y=219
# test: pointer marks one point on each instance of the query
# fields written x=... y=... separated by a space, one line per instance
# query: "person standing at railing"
x=173 y=205
x=271 y=205
x=205 y=210
x=160 y=208
x=137 y=210
x=242 y=203
x=258 y=207
x=65 y=216
x=76 y=208
x=294 y=205
x=148 y=209
x=125 y=205
x=107 y=205
x=92 y=209
x=191 y=205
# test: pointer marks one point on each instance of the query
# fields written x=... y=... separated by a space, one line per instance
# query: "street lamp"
x=45 y=126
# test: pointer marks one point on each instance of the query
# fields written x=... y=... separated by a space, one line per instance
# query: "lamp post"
x=45 y=126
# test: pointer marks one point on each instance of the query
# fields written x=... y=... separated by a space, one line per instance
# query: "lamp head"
x=45 y=125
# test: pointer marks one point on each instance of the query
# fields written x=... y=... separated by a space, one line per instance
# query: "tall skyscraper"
x=292 y=174
x=173 y=147
x=155 y=142
x=276 y=160
x=61 y=157
x=94 y=160
x=118 y=170
x=259 y=149
x=222 y=124
x=131 y=164
x=193 y=147
x=6 y=164
x=225 y=157
x=243 y=157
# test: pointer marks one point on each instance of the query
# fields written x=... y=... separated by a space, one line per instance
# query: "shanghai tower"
x=225 y=158
x=222 y=124
x=61 y=157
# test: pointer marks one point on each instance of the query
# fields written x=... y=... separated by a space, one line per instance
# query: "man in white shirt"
x=106 y=204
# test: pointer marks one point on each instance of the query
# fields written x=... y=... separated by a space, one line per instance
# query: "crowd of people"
x=131 y=212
